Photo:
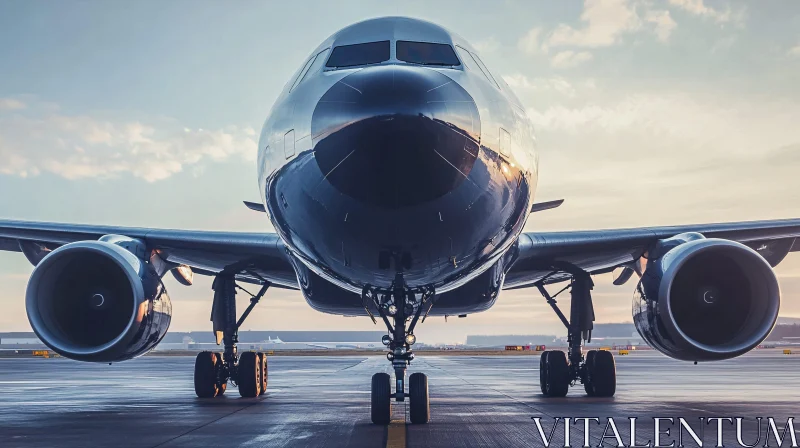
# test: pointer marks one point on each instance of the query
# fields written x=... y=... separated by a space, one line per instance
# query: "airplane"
x=398 y=172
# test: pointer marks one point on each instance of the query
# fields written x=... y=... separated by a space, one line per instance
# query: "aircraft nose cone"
x=396 y=136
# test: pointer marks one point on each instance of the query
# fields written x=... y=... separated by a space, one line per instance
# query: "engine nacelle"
x=98 y=301
x=705 y=299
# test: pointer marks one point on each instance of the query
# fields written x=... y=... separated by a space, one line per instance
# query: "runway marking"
x=396 y=433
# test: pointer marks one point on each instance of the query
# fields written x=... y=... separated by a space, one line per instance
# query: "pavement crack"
x=204 y=425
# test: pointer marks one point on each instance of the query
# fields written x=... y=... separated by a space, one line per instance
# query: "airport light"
x=392 y=310
x=386 y=339
x=390 y=356
x=411 y=339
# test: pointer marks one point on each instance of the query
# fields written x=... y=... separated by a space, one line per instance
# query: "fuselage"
x=394 y=149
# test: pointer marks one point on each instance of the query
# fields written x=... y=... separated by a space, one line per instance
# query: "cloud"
x=794 y=51
x=604 y=23
x=520 y=82
x=489 y=45
x=529 y=43
x=705 y=157
x=731 y=126
x=569 y=58
x=664 y=24
x=11 y=104
x=85 y=146
x=698 y=8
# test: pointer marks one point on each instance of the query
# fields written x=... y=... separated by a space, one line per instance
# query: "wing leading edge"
x=252 y=256
x=601 y=251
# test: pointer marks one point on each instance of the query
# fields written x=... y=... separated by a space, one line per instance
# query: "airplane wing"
x=253 y=256
x=602 y=251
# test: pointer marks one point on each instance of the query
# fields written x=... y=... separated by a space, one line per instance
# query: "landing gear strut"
x=248 y=371
x=404 y=306
x=558 y=370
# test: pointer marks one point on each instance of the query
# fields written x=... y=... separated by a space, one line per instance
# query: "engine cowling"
x=98 y=301
x=705 y=299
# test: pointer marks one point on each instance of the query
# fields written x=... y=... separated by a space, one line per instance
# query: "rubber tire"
x=604 y=374
x=223 y=385
x=419 y=401
x=249 y=375
x=264 y=372
x=588 y=385
x=542 y=379
x=205 y=375
x=381 y=404
x=556 y=370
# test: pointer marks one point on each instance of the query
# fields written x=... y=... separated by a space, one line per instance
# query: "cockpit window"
x=301 y=74
x=359 y=54
x=315 y=66
x=472 y=62
x=426 y=53
x=486 y=70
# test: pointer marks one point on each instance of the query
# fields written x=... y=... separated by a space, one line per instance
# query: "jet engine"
x=98 y=300
x=705 y=299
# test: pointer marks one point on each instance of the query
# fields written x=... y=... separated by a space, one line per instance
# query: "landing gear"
x=558 y=370
x=207 y=383
x=420 y=405
x=264 y=372
x=380 y=396
x=601 y=374
x=404 y=306
x=213 y=371
x=248 y=375
x=555 y=374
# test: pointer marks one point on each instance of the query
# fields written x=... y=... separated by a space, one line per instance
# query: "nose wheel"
x=404 y=308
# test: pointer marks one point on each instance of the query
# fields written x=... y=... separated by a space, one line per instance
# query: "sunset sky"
x=647 y=113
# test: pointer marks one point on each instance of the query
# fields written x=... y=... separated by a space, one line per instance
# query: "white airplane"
x=398 y=172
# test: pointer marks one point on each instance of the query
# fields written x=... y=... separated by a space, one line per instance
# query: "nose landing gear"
x=404 y=306
x=558 y=370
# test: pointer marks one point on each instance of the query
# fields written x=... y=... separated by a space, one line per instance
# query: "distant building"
x=248 y=340
x=20 y=341
x=511 y=339
x=614 y=334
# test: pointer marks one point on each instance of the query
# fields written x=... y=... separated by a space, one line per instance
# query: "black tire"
x=588 y=384
x=249 y=375
x=556 y=370
x=419 y=402
x=542 y=378
x=264 y=372
x=221 y=385
x=381 y=403
x=205 y=377
x=604 y=375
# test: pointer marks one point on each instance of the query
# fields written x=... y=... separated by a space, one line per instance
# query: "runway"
x=324 y=401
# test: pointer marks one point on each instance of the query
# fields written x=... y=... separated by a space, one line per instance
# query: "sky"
x=647 y=113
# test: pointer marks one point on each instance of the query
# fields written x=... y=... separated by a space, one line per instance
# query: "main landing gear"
x=213 y=370
x=404 y=306
x=558 y=370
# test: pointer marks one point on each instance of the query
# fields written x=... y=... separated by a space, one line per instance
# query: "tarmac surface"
x=324 y=402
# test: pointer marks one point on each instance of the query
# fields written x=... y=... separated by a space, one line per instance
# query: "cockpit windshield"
x=359 y=54
x=426 y=53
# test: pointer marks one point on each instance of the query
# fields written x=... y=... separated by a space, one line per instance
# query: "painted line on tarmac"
x=396 y=433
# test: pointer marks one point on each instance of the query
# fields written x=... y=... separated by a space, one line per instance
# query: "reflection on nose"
x=396 y=136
